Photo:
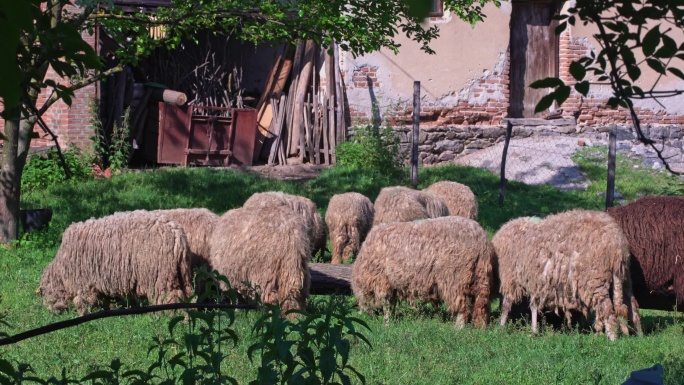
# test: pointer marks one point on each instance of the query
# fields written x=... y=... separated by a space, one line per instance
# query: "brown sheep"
x=349 y=218
x=438 y=260
x=136 y=255
x=577 y=260
x=654 y=227
x=198 y=224
x=402 y=204
x=459 y=198
x=268 y=247
x=302 y=206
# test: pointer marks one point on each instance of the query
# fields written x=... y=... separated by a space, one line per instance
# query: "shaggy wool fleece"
x=268 y=247
x=137 y=255
x=459 y=198
x=402 y=204
x=577 y=260
x=445 y=259
x=349 y=218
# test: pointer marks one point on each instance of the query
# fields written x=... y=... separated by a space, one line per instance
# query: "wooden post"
x=504 y=181
x=416 y=134
x=610 y=188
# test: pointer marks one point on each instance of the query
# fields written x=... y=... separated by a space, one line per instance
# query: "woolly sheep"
x=438 y=260
x=136 y=255
x=577 y=260
x=301 y=205
x=198 y=224
x=401 y=204
x=268 y=247
x=654 y=227
x=458 y=198
x=349 y=218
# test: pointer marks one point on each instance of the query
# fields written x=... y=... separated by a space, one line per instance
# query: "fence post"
x=504 y=181
x=610 y=186
x=416 y=134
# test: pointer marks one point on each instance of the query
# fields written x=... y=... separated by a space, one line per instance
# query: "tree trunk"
x=14 y=153
x=10 y=181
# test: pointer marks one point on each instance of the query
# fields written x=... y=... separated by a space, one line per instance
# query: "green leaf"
x=651 y=41
x=545 y=103
x=577 y=70
x=547 y=83
x=327 y=363
x=173 y=322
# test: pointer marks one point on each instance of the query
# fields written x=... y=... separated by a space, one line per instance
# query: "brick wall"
x=486 y=102
x=70 y=124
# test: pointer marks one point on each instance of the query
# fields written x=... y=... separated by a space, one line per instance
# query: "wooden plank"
x=541 y=122
x=298 y=130
x=290 y=149
x=278 y=76
x=339 y=98
x=332 y=131
x=534 y=55
x=324 y=132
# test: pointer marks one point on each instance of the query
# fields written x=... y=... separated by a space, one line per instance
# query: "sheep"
x=198 y=224
x=301 y=205
x=437 y=260
x=459 y=198
x=654 y=227
x=268 y=247
x=568 y=261
x=349 y=218
x=401 y=204
x=137 y=255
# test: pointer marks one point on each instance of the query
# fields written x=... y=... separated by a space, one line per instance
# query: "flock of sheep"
x=410 y=245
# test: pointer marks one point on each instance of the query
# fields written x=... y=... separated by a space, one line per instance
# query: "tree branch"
x=76 y=86
x=115 y=313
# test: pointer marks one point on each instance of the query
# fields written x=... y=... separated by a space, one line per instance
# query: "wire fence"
x=578 y=161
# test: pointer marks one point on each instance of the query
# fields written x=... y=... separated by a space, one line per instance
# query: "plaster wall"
x=464 y=56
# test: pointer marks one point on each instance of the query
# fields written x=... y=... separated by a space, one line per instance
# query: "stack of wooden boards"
x=298 y=117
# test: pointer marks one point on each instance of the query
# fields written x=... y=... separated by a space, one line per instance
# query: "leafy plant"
x=314 y=349
x=372 y=150
x=42 y=171
x=110 y=151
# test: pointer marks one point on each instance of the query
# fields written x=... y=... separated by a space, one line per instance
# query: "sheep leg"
x=634 y=317
x=535 y=312
x=633 y=309
x=607 y=313
x=505 y=310
x=388 y=308
x=619 y=303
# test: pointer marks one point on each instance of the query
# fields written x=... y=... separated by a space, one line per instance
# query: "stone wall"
x=439 y=144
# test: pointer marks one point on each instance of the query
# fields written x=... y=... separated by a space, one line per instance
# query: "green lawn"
x=419 y=346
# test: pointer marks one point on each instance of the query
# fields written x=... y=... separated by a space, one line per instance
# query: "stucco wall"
x=470 y=66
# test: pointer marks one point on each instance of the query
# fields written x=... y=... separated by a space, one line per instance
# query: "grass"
x=419 y=346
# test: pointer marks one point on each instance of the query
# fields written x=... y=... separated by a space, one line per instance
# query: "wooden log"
x=327 y=278
x=169 y=96
x=339 y=98
x=324 y=132
x=297 y=128
x=291 y=146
